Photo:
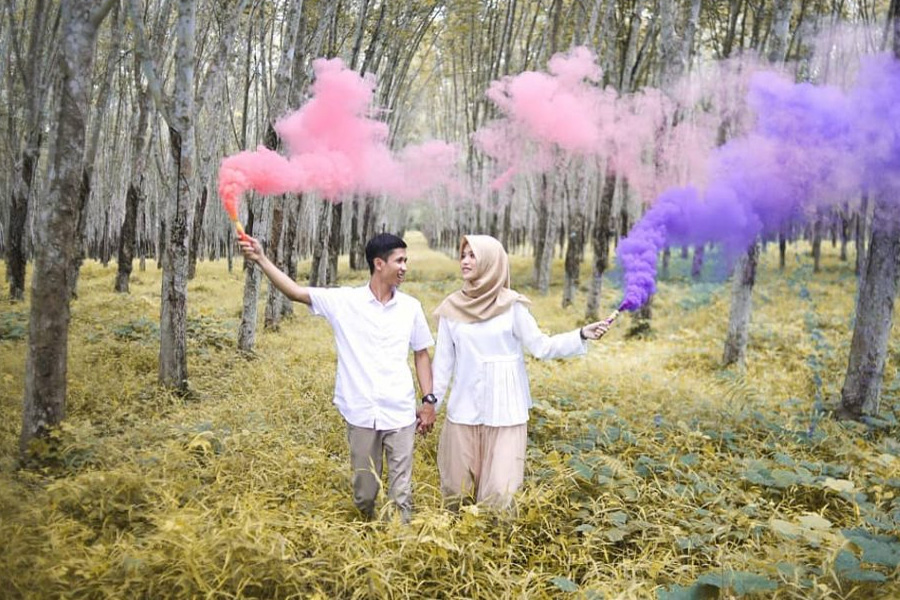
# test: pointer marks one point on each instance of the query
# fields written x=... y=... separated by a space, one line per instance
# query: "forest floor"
x=652 y=472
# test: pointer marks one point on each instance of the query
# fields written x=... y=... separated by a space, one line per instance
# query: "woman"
x=481 y=334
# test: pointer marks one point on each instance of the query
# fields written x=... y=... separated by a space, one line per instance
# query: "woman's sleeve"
x=444 y=361
x=541 y=345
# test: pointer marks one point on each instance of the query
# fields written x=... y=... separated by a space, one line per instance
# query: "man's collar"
x=370 y=295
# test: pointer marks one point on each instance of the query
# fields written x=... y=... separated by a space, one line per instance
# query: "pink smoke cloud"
x=550 y=118
x=334 y=148
x=546 y=116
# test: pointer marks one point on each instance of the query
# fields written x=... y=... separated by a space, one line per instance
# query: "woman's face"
x=467 y=262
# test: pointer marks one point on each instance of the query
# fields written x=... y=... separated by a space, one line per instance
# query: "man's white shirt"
x=374 y=385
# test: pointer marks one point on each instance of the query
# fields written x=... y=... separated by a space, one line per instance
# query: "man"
x=374 y=326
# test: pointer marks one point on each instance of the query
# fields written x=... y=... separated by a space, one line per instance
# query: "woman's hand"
x=595 y=331
x=251 y=248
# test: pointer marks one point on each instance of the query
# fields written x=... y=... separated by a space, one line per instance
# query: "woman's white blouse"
x=485 y=363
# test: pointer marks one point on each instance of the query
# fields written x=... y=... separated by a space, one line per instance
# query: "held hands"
x=425 y=417
x=251 y=248
x=595 y=331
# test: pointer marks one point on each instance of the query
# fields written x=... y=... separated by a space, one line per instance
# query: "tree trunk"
x=874 y=316
x=18 y=216
x=141 y=243
x=335 y=241
x=628 y=65
x=545 y=231
x=506 y=230
x=197 y=232
x=862 y=226
x=229 y=250
x=127 y=239
x=697 y=262
x=252 y=275
x=47 y=359
x=782 y=251
x=817 y=244
x=778 y=39
x=275 y=298
x=368 y=225
x=666 y=259
x=875 y=300
x=357 y=259
x=35 y=70
x=173 y=302
x=734 y=10
x=741 y=296
x=624 y=216
x=845 y=234
x=134 y=201
x=90 y=154
x=247 y=330
x=318 y=272
x=294 y=213
x=575 y=244
x=600 y=242
x=104 y=240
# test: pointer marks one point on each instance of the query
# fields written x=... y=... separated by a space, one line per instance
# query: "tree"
x=278 y=105
x=95 y=126
x=874 y=316
x=600 y=241
x=173 y=303
x=140 y=143
x=209 y=98
x=575 y=239
x=56 y=225
x=32 y=70
x=745 y=271
x=739 y=317
x=860 y=394
x=548 y=210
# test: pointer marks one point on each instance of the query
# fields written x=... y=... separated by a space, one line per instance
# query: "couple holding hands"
x=482 y=331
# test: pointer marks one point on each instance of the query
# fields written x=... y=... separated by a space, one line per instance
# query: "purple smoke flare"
x=812 y=147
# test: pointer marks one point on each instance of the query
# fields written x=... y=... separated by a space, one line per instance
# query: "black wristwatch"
x=429 y=399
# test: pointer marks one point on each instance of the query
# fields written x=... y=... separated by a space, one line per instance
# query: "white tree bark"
x=874 y=316
x=252 y=277
x=745 y=271
x=545 y=234
x=173 y=303
x=576 y=227
x=47 y=359
x=875 y=302
x=600 y=241
x=35 y=70
x=778 y=39
x=739 y=319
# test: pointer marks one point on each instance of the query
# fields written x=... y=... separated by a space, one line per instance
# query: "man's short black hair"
x=381 y=247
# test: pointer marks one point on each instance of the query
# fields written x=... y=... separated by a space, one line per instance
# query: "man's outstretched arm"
x=252 y=250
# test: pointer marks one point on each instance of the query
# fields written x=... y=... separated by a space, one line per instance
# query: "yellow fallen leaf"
x=839 y=485
x=814 y=521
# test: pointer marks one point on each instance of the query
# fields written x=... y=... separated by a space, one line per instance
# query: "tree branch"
x=101 y=11
x=143 y=51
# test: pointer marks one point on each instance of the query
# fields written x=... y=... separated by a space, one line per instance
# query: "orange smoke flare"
x=230 y=204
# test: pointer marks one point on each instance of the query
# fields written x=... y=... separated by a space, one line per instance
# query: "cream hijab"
x=487 y=293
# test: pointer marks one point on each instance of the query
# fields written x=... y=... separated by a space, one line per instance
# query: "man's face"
x=393 y=270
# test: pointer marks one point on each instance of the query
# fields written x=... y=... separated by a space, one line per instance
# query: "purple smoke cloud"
x=811 y=148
